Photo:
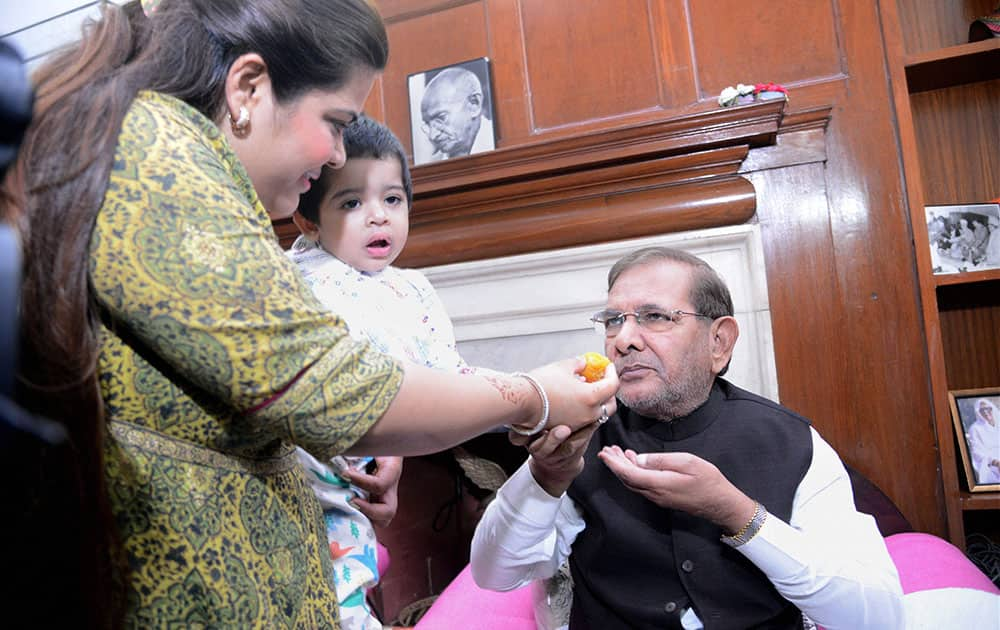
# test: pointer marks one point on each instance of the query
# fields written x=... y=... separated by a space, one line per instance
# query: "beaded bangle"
x=545 y=406
x=748 y=531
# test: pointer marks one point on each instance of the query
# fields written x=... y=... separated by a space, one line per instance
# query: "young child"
x=354 y=223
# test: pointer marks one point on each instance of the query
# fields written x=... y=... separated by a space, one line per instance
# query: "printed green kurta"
x=215 y=359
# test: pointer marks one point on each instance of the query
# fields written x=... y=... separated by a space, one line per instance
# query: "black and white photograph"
x=964 y=237
x=976 y=413
x=451 y=111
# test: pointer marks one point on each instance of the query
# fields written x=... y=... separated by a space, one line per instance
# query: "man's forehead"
x=661 y=282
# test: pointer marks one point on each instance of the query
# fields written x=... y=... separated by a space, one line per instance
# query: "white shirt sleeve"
x=524 y=534
x=830 y=560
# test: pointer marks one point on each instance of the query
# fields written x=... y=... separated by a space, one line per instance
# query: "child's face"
x=364 y=219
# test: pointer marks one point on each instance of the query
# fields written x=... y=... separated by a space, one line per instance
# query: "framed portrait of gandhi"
x=976 y=413
x=451 y=111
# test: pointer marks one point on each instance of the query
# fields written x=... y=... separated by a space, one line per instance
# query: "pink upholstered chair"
x=462 y=601
x=947 y=579
x=925 y=563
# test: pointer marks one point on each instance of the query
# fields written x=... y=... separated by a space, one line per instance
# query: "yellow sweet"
x=594 y=370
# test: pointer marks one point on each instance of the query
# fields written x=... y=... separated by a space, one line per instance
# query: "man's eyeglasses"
x=609 y=323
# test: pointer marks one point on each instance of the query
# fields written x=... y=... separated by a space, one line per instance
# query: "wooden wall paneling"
x=882 y=334
x=375 y=104
x=423 y=41
x=970 y=334
x=931 y=24
x=286 y=231
x=399 y=10
x=586 y=61
x=946 y=493
x=511 y=97
x=813 y=331
x=754 y=41
x=807 y=321
x=956 y=165
x=673 y=52
x=652 y=80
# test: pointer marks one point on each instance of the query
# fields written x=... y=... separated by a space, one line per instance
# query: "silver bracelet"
x=749 y=530
x=545 y=406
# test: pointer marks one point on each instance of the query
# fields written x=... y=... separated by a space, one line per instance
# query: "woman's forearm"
x=435 y=410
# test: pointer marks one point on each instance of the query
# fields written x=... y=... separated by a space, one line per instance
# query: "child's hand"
x=382 y=486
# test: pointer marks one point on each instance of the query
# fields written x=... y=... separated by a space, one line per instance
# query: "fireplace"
x=517 y=312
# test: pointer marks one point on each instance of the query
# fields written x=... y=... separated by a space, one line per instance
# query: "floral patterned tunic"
x=215 y=361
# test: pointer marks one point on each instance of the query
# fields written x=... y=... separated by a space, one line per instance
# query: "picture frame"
x=451 y=111
x=978 y=440
x=963 y=237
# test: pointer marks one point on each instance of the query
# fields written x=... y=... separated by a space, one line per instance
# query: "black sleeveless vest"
x=637 y=565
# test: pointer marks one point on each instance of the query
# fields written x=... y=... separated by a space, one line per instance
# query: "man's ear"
x=309 y=229
x=723 y=335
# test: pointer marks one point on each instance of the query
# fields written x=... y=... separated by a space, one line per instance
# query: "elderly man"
x=699 y=504
x=453 y=115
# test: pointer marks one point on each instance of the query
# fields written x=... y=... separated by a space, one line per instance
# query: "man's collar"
x=683 y=427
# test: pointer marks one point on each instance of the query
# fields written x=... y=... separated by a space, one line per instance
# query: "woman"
x=164 y=326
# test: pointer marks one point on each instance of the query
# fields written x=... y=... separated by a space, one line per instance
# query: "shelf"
x=980 y=500
x=967 y=277
x=955 y=65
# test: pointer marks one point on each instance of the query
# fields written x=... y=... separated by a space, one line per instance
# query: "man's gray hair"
x=709 y=294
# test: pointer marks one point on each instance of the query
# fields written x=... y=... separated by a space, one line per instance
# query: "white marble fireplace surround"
x=517 y=312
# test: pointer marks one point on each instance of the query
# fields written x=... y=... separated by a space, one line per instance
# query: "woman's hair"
x=364 y=138
x=54 y=191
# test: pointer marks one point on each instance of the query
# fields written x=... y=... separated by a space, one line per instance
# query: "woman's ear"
x=309 y=229
x=247 y=84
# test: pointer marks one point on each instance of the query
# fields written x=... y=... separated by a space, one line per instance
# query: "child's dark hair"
x=365 y=138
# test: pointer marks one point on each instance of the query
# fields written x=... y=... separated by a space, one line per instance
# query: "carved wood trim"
x=650 y=178
x=580 y=221
x=752 y=125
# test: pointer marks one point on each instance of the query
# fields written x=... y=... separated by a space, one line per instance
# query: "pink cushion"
x=462 y=601
x=927 y=562
x=924 y=562
x=381 y=558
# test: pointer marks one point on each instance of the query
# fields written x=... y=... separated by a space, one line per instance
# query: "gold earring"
x=241 y=123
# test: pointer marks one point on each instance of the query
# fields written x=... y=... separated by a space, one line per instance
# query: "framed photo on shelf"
x=976 y=414
x=964 y=237
x=451 y=111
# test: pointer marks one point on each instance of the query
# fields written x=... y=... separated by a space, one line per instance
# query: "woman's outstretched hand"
x=573 y=402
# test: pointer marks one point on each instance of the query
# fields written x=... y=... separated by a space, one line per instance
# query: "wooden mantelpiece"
x=668 y=176
x=754 y=125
